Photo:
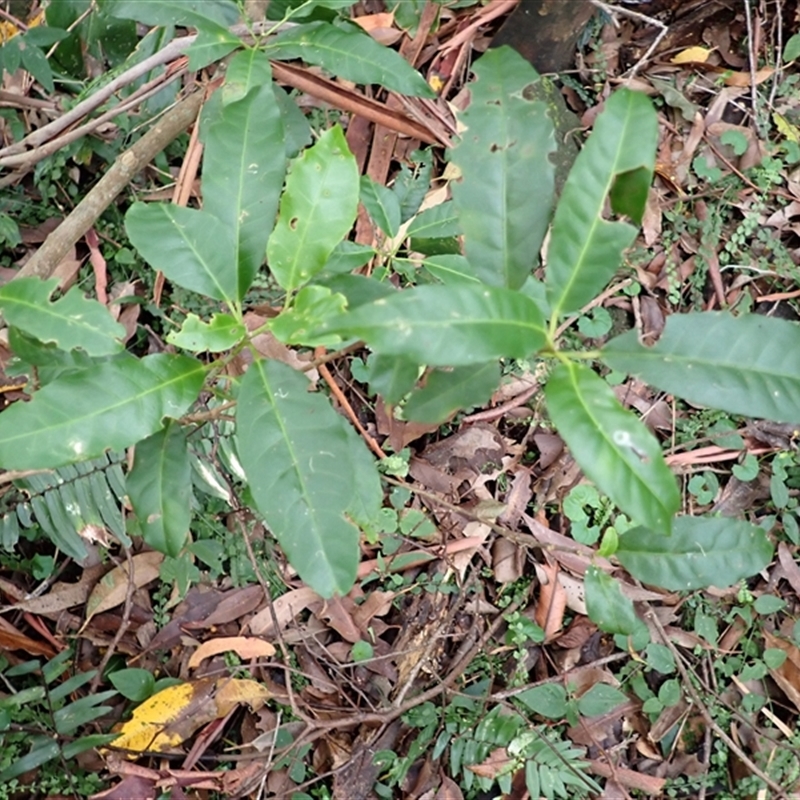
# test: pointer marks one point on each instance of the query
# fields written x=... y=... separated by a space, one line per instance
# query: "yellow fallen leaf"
x=785 y=127
x=245 y=647
x=692 y=55
x=172 y=715
x=169 y=717
x=235 y=691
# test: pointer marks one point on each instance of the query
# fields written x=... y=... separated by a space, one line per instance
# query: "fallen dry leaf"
x=112 y=588
x=245 y=647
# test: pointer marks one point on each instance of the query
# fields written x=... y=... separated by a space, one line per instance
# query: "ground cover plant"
x=137 y=436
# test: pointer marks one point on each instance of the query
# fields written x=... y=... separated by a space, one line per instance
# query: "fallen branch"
x=132 y=161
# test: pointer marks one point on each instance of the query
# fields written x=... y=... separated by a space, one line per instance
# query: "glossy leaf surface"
x=317 y=210
x=702 y=551
x=160 y=489
x=192 y=248
x=244 y=168
x=349 y=54
x=447 y=325
x=445 y=392
x=586 y=250
x=69 y=322
x=606 y=606
x=108 y=406
x=744 y=365
x=296 y=455
x=613 y=448
x=505 y=194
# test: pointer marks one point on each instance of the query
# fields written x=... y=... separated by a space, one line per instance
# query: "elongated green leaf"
x=350 y=54
x=213 y=42
x=702 y=551
x=607 y=607
x=318 y=208
x=247 y=70
x=160 y=489
x=222 y=333
x=71 y=321
x=244 y=165
x=612 y=447
x=505 y=195
x=177 y=12
x=108 y=406
x=450 y=268
x=436 y=222
x=585 y=250
x=391 y=377
x=298 y=462
x=192 y=248
x=447 y=325
x=43 y=749
x=445 y=392
x=382 y=205
x=744 y=365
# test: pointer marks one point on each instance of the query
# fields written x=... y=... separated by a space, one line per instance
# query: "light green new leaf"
x=744 y=365
x=606 y=606
x=312 y=306
x=702 y=551
x=436 y=222
x=505 y=195
x=318 y=208
x=247 y=70
x=612 y=447
x=586 y=250
x=69 y=322
x=222 y=333
x=213 y=42
x=350 y=54
x=160 y=489
x=108 y=406
x=192 y=248
x=445 y=392
x=244 y=165
x=297 y=458
x=447 y=325
x=382 y=205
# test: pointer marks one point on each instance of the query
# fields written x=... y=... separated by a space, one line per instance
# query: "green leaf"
x=600 y=699
x=350 y=54
x=71 y=321
x=35 y=62
x=244 y=165
x=436 y=222
x=382 y=205
x=392 y=377
x=297 y=459
x=606 y=606
x=585 y=250
x=82 y=711
x=43 y=749
x=222 y=333
x=791 y=51
x=449 y=269
x=447 y=325
x=769 y=604
x=213 y=42
x=177 y=12
x=192 y=248
x=247 y=70
x=317 y=210
x=505 y=195
x=133 y=684
x=613 y=448
x=445 y=392
x=717 y=360
x=107 y=406
x=702 y=551
x=312 y=306
x=548 y=700
x=160 y=489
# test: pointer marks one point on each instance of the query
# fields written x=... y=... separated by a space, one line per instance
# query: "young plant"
x=268 y=195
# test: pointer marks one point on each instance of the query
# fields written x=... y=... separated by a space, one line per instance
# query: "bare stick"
x=85 y=214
